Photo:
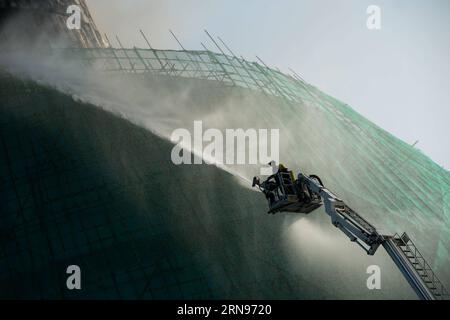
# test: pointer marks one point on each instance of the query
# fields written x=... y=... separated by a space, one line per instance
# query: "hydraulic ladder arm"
x=344 y=218
x=401 y=249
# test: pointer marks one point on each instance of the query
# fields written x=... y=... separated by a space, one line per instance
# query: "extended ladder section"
x=401 y=249
x=414 y=267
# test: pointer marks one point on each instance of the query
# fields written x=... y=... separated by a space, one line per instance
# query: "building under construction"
x=80 y=184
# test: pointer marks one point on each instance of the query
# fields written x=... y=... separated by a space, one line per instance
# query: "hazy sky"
x=398 y=77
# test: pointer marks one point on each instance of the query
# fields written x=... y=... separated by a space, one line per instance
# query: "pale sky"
x=398 y=77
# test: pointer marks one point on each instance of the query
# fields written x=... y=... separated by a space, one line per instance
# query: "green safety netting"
x=64 y=197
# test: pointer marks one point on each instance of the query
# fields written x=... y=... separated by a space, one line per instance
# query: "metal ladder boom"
x=414 y=267
x=401 y=249
x=343 y=217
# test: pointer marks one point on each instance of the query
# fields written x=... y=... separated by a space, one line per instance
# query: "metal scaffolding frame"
x=202 y=64
x=231 y=71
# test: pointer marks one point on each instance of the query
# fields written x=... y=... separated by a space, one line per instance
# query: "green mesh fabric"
x=399 y=176
x=62 y=200
x=391 y=183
